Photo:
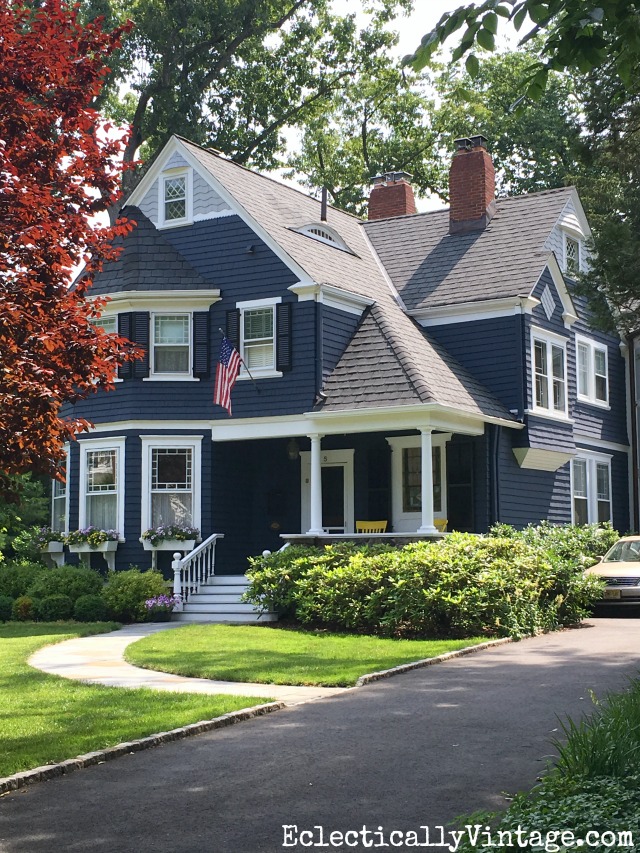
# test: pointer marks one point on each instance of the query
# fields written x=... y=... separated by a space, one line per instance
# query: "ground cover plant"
x=594 y=786
x=279 y=656
x=44 y=719
x=463 y=585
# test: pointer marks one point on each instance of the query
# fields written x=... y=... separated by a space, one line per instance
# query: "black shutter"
x=283 y=336
x=233 y=327
x=201 y=343
x=125 y=371
x=141 y=337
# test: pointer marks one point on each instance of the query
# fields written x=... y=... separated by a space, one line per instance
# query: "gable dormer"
x=178 y=194
x=567 y=239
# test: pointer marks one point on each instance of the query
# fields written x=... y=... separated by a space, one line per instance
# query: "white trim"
x=168 y=174
x=549 y=416
x=214 y=214
x=590 y=398
x=259 y=303
x=409 y=522
x=486 y=309
x=540 y=459
x=577 y=238
x=549 y=339
x=149 y=443
x=166 y=300
x=332 y=297
x=97 y=444
x=258 y=372
x=328 y=459
x=584 y=438
x=569 y=314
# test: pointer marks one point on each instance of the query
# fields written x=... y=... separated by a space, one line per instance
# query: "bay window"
x=171 y=481
x=102 y=484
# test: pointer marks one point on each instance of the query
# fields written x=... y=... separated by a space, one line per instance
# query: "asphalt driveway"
x=415 y=750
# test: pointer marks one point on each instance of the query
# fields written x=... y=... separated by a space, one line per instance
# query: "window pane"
x=579 y=467
x=171 y=329
x=411 y=479
x=258 y=356
x=604 y=511
x=171 y=508
x=102 y=511
x=108 y=324
x=600 y=366
x=436 y=464
x=258 y=324
x=602 y=478
x=540 y=354
x=171 y=468
x=572 y=254
x=542 y=383
x=583 y=370
x=557 y=359
x=101 y=471
x=171 y=360
x=580 y=511
x=175 y=198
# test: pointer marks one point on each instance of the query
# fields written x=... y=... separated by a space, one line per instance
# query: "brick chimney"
x=472 y=186
x=392 y=195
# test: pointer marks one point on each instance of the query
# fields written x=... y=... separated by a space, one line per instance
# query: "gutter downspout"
x=633 y=405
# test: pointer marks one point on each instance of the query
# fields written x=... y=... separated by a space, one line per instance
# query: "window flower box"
x=169 y=545
x=53 y=552
x=92 y=540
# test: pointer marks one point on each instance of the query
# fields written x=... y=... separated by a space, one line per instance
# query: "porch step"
x=219 y=601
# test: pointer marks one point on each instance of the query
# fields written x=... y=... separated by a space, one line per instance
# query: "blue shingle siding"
x=490 y=349
x=620 y=491
x=527 y=496
x=337 y=330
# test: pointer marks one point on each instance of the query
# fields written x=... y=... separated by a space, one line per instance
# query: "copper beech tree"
x=58 y=169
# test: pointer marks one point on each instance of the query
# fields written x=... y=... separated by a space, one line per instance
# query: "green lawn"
x=277 y=656
x=44 y=719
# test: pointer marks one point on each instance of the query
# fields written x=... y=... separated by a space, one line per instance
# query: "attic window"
x=323 y=234
x=572 y=252
x=175 y=198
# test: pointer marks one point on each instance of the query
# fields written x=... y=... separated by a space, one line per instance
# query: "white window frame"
x=550 y=340
x=65 y=494
x=408 y=522
x=574 y=238
x=187 y=376
x=103 y=444
x=245 y=307
x=154 y=442
x=592 y=460
x=168 y=175
x=590 y=396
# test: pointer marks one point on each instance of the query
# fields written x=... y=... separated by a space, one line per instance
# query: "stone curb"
x=370 y=677
x=51 y=771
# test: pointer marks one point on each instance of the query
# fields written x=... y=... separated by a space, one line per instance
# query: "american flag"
x=226 y=374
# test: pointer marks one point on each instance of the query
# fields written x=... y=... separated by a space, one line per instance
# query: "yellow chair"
x=440 y=524
x=371 y=526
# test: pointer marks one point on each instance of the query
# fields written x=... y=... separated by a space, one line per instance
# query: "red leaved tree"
x=58 y=169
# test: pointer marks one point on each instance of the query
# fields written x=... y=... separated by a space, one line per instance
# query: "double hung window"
x=412 y=478
x=101 y=472
x=171 y=485
x=591 y=489
x=171 y=343
x=549 y=374
x=592 y=370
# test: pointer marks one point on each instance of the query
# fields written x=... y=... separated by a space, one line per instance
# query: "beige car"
x=620 y=567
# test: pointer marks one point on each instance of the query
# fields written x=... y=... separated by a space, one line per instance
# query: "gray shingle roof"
x=431 y=268
x=147 y=262
x=433 y=375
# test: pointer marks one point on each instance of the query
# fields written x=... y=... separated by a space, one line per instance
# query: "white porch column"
x=427 y=525
x=315 y=487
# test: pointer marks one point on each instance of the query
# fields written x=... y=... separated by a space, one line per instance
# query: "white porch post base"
x=176 y=565
x=315 y=487
x=427 y=525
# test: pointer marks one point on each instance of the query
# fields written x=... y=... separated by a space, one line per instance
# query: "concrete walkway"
x=100 y=660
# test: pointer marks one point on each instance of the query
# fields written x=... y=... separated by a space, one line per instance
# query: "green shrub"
x=578 y=543
x=72 y=581
x=22 y=609
x=125 y=593
x=17 y=576
x=463 y=585
x=90 y=608
x=53 y=608
x=6 y=606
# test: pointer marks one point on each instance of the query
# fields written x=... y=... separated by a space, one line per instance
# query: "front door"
x=337 y=491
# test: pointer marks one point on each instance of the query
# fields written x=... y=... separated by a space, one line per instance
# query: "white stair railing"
x=191 y=571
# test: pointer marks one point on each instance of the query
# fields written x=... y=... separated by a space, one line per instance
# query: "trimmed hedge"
x=463 y=585
x=53 y=608
x=90 y=608
x=71 y=581
x=16 y=576
x=126 y=592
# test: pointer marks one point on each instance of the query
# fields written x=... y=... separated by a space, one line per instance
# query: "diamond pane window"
x=175 y=198
x=171 y=485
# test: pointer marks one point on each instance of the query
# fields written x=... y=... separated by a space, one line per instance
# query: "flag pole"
x=243 y=362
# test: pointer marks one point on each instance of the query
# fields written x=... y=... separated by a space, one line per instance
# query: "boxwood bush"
x=16 y=576
x=53 y=608
x=463 y=585
x=6 y=605
x=72 y=581
x=91 y=608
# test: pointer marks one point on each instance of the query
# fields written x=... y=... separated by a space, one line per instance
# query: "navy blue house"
x=414 y=368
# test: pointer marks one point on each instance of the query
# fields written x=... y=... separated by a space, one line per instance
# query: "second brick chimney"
x=392 y=195
x=472 y=186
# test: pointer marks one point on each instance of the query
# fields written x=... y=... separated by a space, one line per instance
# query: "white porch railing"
x=191 y=571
